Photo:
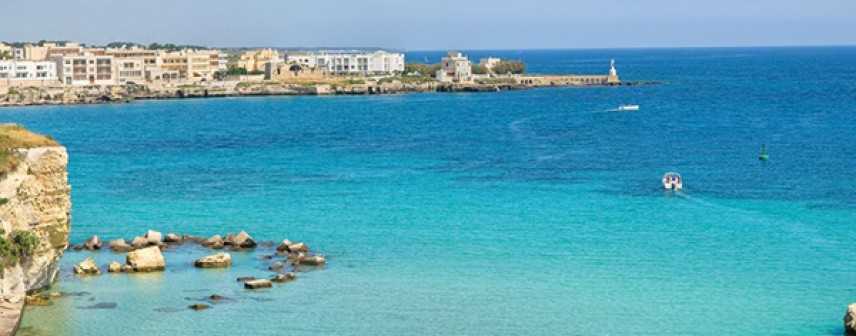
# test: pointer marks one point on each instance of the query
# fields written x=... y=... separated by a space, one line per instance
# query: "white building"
x=378 y=62
x=455 y=68
x=16 y=71
x=490 y=62
x=86 y=69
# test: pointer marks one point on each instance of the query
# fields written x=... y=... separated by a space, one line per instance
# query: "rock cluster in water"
x=144 y=254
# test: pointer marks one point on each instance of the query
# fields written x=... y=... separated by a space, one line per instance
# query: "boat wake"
x=799 y=229
x=703 y=202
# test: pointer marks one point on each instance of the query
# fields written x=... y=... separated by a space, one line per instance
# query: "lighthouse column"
x=612 y=79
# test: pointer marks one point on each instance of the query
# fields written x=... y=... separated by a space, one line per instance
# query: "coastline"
x=57 y=96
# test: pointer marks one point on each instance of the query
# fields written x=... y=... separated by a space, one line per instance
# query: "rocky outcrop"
x=219 y=260
x=243 y=240
x=286 y=277
x=139 y=242
x=87 y=267
x=172 y=238
x=148 y=259
x=215 y=242
x=850 y=320
x=154 y=237
x=114 y=267
x=119 y=245
x=35 y=198
x=93 y=243
x=258 y=284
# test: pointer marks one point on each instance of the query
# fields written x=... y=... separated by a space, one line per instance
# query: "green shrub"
x=427 y=70
x=19 y=244
x=513 y=67
x=478 y=69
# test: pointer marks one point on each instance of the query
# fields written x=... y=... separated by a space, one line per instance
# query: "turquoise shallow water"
x=531 y=212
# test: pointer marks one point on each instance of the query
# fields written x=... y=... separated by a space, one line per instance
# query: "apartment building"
x=194 y=65
x=20 y=72
x=255 y=60
x=378 y=62
x=86 y=68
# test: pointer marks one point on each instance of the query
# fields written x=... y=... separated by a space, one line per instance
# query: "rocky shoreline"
x=147 y=253
x=34 y=96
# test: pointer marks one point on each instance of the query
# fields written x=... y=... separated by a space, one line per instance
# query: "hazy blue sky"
x=436 y=24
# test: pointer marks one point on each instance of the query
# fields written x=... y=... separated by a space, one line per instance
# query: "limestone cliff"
x=35 y=202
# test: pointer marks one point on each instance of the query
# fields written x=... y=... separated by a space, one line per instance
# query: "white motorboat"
x=628 y=108
x=673 y=181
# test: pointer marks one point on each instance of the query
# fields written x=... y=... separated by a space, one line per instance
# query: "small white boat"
x=673 y=181
x=628 y=108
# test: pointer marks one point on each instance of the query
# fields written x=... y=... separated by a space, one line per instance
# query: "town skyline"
x=442 y=25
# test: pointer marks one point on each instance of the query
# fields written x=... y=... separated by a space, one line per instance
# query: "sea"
x=534 y=212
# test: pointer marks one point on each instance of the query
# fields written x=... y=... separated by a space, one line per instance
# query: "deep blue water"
x=529 y=212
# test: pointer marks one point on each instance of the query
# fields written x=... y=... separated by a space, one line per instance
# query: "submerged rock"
x=148 y=259
x=87 y=267
x=216 y=297
x=850 y=319
x=114 y=267
x=218 y=260
x=313 y=260
x=101 y=305
x=193 y=239
x=257 y=284
x=280 y=278
x=215 y=242
x=154 y=237
x=199 y=306
x=276 y=266
x=38 y=300
x=119 y=245
x=93 y=243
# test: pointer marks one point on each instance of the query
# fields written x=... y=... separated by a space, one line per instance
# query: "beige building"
x=69 y=48
x=291 y=72
x=192 y=65
x=131 y=63
x=30 y=52
x=255 y=60
x=456 y=67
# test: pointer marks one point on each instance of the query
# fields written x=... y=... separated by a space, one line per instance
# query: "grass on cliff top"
x=15 y=136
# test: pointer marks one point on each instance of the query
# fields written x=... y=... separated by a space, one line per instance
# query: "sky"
x=435 y=24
